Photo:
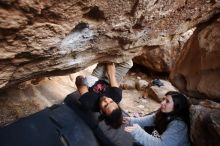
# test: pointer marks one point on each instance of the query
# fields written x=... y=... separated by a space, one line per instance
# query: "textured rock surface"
x=158 y=92
x=162 y=58
x=128 y=84
x=141 y=84
x=43 y=38
x=205 y=124
x=197 y=72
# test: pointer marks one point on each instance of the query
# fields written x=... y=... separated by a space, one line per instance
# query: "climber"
x=102 y=94
x=169 y=126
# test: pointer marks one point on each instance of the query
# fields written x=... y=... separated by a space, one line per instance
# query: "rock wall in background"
x=197 y=74
x=197 y=71
x=41 y=38
x=162 y=57
x=205 y=123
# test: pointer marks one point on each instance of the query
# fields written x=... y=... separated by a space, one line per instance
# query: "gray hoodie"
x=175 y=134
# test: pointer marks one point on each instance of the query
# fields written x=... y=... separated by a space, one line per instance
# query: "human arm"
x=81 y=85
x=147 y=120
x=87 y=99
x=83 y=90
x=173 y=136
x=111 y=71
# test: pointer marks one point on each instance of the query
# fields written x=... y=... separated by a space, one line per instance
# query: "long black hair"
x=180 y=112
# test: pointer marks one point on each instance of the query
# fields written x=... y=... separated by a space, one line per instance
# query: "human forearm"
x=174 y=135
x=143 y=121
x=82 y=90
x=112 y=80
x=144 y=138
x=111 y=75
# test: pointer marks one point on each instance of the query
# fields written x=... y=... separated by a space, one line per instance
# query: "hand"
x=126 y=120
x=80 y=81
x=130 y=129
x=81 y=84
x=110 y=67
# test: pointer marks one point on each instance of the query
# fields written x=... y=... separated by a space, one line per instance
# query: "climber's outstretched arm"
x=111 y=71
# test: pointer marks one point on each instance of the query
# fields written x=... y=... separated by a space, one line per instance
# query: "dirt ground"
x=133 y=104
x=31 y=97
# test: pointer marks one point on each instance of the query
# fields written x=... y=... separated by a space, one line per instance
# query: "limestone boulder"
x=50 y=38
x=197 y=71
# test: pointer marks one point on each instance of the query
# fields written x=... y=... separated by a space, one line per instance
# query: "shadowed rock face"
x=52 y=37
x=162 y=58
x=197 y=71
x=205 y=124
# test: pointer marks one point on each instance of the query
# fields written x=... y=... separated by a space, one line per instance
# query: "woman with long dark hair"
x=169 y=126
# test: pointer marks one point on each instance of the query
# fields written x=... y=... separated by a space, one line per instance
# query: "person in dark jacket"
x=101 y=93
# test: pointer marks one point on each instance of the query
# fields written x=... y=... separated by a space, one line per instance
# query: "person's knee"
x=127 y=64
x=130 y=63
